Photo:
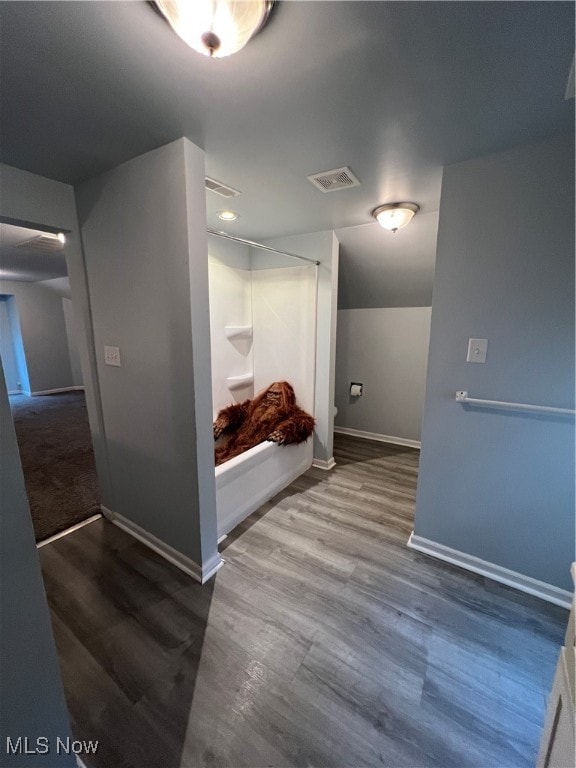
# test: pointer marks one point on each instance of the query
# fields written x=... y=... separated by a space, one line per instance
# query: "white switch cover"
x=112 y=356
x=477 y=349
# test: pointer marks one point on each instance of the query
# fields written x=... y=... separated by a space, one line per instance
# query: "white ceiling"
x=395 y=90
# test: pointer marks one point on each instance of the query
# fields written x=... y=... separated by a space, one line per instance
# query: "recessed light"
x=227 y=215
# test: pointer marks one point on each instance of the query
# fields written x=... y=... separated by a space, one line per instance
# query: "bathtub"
x=245 y=482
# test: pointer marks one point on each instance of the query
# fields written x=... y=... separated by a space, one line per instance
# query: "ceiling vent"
x=46 y=243
x=331 y=181
x=221 y=189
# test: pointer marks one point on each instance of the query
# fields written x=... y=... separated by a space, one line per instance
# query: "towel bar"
x=462 y=397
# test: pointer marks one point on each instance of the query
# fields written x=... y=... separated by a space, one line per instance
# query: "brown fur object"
x=271 y=415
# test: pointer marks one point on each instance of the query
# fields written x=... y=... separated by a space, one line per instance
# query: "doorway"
x=39 y=351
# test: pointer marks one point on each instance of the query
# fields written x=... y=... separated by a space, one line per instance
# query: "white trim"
x=321 y=464
x=492 y=571
x=72 y=528
x=55 y=391
x=15 y=392
x=379 y=438
x=186 y=564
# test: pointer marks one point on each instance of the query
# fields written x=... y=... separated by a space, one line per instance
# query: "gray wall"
x=387 y=351
x=144 y=233
x=384 y=269
x=43 y=334
x=31 y=695
x=72 y=338
x=493 y=484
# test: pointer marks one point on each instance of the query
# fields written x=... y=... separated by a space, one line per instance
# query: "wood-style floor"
x=323 y=641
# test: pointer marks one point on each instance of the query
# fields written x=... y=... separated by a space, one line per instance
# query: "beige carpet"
x=58 y=460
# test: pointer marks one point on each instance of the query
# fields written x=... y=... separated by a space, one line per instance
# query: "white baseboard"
x=186 y=564
x=15 y=392
x=55 y=391
x=492 y=571
x=321 y=464
x=72 y=528
x=379 y=438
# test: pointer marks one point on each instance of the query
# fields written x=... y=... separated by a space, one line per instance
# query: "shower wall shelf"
x=239 y=382
x=238 y=331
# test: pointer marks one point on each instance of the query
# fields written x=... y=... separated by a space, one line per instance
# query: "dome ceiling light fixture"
x=228 y=215
x=394 y=216
x=216 y=28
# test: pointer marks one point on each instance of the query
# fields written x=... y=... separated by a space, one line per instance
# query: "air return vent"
x=221 y=189
x=46 y=243
x=331 y=181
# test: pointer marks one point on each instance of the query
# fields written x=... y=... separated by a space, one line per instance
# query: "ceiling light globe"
x=394 y=216
x=215 y=28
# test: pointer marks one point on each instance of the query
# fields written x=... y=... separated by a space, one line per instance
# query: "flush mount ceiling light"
x=227 y=215
x=216 y=27
x=394 y=216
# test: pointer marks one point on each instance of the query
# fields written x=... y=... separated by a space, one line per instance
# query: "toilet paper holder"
x=356 y=389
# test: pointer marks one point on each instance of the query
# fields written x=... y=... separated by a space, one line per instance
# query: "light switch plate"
x=112 y=356
x=477 y=349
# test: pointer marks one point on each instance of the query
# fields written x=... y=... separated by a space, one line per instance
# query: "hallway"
x=322 y=641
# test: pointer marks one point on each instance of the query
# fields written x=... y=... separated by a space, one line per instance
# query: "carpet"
x=58 y=460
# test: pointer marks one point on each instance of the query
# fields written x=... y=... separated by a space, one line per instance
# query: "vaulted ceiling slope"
x=395 y=90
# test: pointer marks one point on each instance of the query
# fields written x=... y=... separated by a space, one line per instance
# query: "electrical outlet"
x=112 y=356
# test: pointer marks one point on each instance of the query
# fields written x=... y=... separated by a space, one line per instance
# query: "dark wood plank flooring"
x=323 y=641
